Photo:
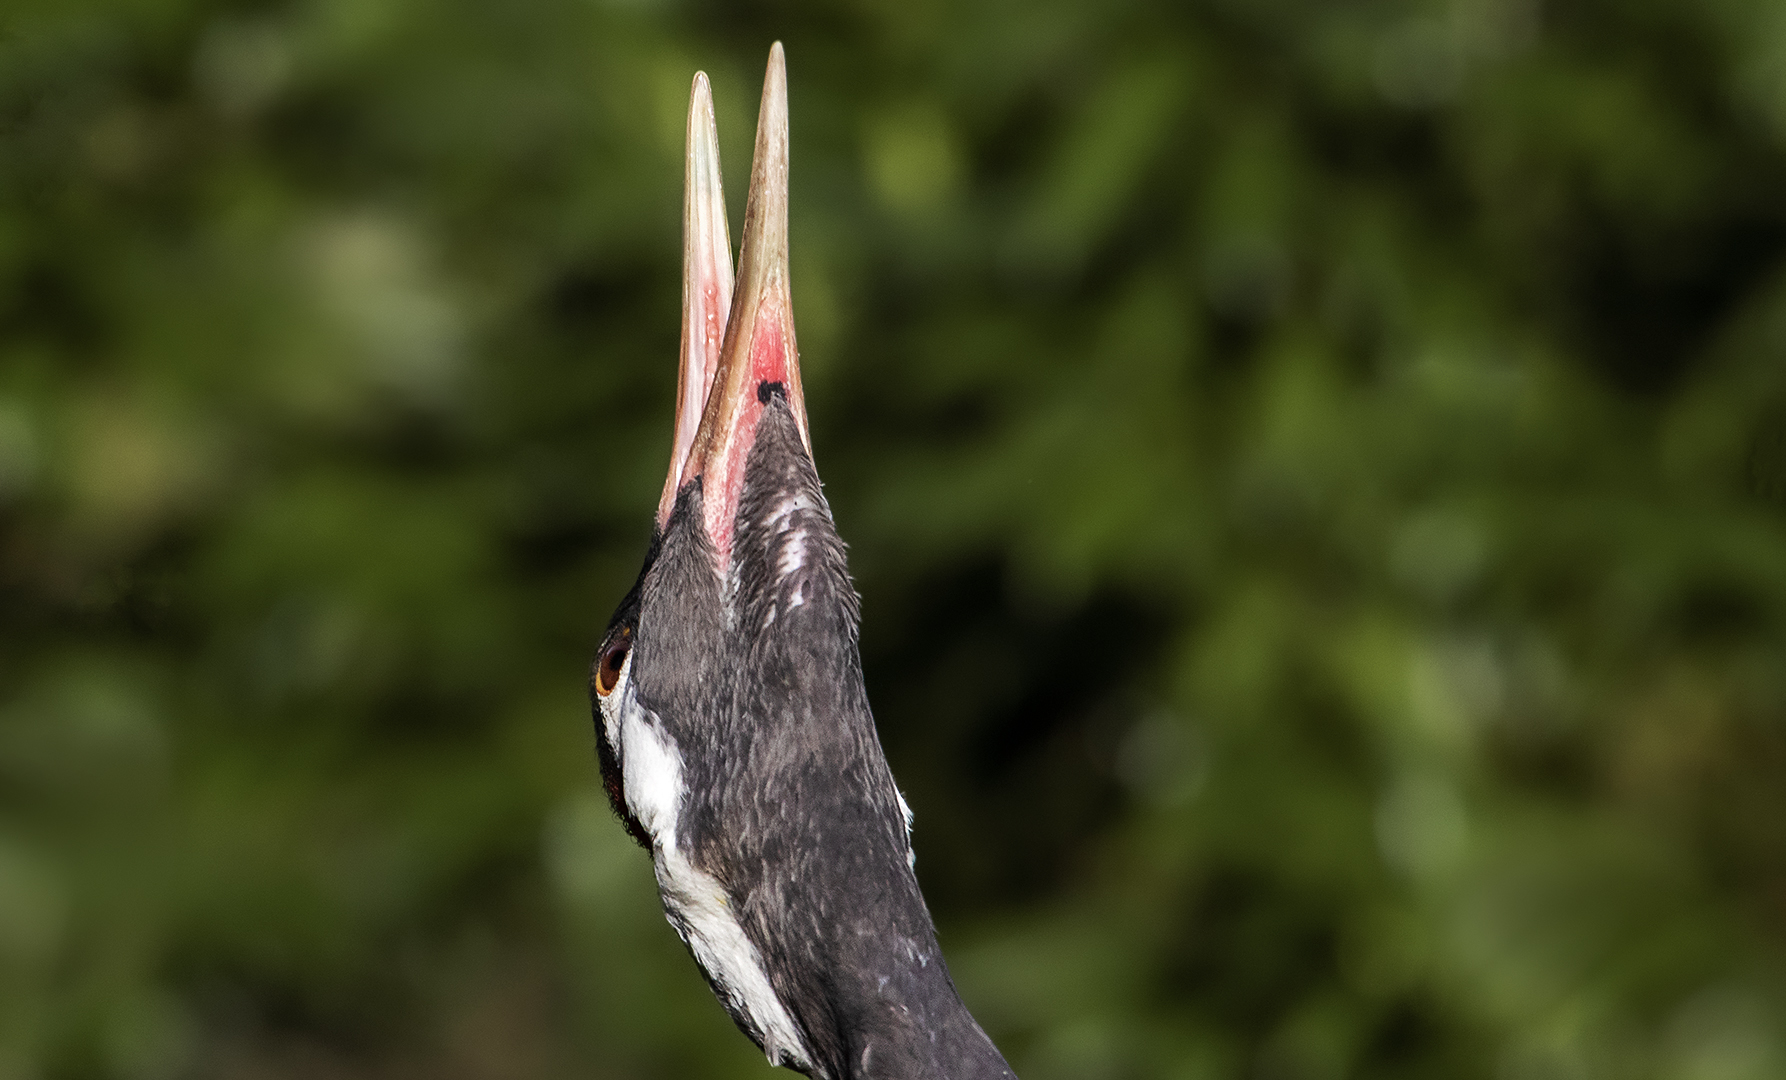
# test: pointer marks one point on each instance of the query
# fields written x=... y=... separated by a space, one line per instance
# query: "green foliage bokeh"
x=1316 y=474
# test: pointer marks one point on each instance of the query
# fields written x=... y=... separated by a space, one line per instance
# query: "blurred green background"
x=1316 y=473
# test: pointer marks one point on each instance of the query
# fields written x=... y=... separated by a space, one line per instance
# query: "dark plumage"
x=733 y=727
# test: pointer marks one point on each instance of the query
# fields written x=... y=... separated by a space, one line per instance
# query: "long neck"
x=807 y=825
x=830 y=900
x=900 y=1018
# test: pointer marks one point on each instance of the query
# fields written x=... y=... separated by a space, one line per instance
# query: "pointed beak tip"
x=706 y=283
x=775 y=79
x=700 y=99
x=758 y=345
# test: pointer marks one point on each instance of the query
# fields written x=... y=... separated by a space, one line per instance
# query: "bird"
x=733 y=728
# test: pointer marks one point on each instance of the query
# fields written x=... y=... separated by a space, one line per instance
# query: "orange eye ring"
x=611 y=660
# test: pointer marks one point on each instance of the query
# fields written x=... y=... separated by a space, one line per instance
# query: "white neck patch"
x=694 y=901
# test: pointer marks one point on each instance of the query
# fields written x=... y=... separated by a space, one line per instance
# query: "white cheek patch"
x=651 y=768
x=696 y=904
x=611 y=704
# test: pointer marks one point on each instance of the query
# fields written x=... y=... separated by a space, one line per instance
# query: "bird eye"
x=612 y=659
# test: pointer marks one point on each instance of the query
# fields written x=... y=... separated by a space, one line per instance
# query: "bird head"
x=733 y=729
x=742 y=538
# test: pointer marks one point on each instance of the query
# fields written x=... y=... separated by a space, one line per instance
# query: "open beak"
x=732 y=364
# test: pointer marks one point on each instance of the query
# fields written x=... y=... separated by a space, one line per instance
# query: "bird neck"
x=898 y=1015
x=800 y=815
